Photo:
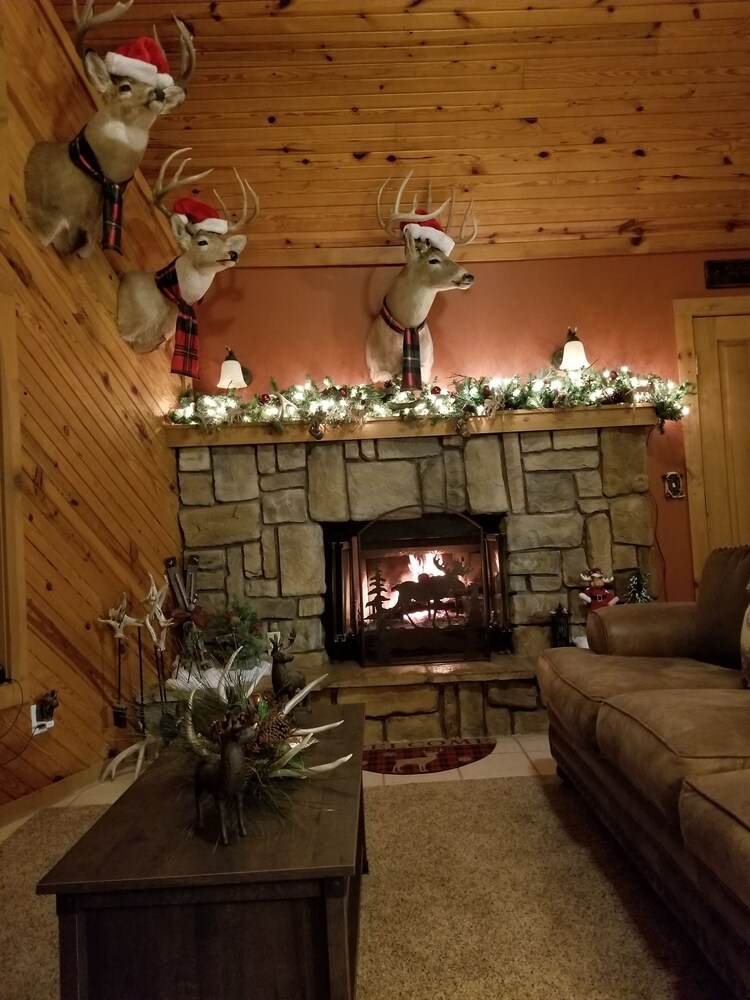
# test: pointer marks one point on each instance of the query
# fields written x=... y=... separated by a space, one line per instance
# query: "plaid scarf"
x=411 y=369
x=185 y=355
x=84 y=157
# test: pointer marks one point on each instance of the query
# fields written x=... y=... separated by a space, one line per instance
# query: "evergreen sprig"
x=465 y=396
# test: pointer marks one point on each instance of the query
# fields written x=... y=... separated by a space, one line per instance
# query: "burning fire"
x=423 y=564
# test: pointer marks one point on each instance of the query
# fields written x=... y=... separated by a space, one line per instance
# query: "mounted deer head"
x=399 y=341
x=151 y=306
x=74 y=189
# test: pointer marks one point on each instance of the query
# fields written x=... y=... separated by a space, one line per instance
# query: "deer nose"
x=233 y=255
x=158 y=95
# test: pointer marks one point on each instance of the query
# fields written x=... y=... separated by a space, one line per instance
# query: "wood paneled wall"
x=94 y=480
x=578 y=127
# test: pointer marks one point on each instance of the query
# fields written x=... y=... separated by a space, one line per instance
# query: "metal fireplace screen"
x=412 y=590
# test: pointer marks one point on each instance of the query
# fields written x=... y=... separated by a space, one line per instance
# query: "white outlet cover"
x=38 y=727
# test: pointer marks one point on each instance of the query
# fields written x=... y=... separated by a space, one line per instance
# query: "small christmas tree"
x=638 y=592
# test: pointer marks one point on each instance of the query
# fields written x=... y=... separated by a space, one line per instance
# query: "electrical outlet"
x=673 y=488
x=39 y=725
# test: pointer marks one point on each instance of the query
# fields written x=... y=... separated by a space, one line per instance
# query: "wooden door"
x=714 y=342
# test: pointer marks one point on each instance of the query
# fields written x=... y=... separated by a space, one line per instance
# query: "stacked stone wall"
x=570 y=499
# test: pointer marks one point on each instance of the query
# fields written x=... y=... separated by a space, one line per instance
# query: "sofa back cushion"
x=721 y=605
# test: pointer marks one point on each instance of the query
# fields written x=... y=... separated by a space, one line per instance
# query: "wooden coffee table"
x=151 y=909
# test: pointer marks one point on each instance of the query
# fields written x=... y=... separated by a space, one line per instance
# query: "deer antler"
x=89 y=20
x=392 y=225
x=245 y=217
x=187 y=52
x=161 y=190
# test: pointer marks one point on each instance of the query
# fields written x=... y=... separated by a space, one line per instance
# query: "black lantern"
x=560 y=624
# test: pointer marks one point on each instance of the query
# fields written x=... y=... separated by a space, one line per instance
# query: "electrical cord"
x=13 y=725
x=659 y=550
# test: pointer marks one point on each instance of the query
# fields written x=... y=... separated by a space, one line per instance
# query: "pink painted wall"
x=286 y=323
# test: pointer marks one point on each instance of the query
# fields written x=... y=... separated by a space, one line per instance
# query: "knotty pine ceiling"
x=578 y=127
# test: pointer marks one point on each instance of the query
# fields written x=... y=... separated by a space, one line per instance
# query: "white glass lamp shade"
x=231 y=376
x=573 y=356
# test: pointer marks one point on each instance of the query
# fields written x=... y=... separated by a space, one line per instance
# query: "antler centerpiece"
x=399 y=340
x=153 y=306
x=74 y=190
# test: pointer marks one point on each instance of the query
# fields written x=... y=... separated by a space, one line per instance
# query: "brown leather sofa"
x=652 y=725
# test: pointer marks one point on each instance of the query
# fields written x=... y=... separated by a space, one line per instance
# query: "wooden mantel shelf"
x=507 y=422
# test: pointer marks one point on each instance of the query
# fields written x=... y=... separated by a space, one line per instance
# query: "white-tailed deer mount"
x=151 y=307
x=399 y=341
x=74 y=190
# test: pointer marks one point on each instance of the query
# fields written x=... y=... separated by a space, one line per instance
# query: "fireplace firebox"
x=415 y=589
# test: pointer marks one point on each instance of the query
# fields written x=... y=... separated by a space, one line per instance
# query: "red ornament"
x=613 y=376
x=264 y=398
x=486 y=391
x=436 y=390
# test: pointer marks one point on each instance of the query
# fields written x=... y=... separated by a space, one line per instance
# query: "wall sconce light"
x=233 y=374
x=571 y=357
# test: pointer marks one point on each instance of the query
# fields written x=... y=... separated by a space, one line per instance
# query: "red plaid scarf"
x=185 y=355
x=84 y=157
x=411 y=369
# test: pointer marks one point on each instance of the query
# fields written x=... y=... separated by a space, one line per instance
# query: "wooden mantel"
x=507 y=422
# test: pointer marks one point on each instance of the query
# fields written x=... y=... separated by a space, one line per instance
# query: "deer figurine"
x=74 y=190
x=152 y=306
x=399 y=341
x=225 y=778
x=284 y=681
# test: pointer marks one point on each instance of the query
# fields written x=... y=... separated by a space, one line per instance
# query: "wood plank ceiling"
x=578 y=127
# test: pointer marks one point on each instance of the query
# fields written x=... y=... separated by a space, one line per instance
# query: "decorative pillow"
x=721 y=605
x=745 y=644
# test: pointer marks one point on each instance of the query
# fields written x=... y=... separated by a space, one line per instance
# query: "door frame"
x=686 y=311
x=12 y=569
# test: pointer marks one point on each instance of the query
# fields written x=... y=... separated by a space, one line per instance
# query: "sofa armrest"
x=656 y=629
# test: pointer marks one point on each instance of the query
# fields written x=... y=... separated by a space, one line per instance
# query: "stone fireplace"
x=557 y=500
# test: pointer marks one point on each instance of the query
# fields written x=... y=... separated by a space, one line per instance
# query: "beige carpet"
x=501 y=889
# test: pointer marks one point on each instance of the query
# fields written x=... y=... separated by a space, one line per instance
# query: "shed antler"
x=88 y=20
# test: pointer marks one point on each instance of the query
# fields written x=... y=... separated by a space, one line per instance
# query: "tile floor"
x=513 y=756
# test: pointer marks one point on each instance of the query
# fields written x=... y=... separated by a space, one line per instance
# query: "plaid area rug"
x=425 y=756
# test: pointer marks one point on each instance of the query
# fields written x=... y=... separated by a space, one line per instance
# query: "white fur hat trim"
x=436 y=237
x=120 y=65
x=219 y=226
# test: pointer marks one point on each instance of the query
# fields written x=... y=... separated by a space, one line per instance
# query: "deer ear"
x=236 y=243
x=410 y=246
x=96 y=72
x=180 y=230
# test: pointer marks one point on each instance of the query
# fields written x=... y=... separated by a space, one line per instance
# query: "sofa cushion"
x=715 y=826
x=721 y=604
x=576 y=681
x=656 y=739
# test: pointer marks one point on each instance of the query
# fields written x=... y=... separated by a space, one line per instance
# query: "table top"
x=147 y=838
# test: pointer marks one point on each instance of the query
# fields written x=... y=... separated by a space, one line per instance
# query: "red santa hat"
x=141 y=60
x=430 y=230
x=200 y=215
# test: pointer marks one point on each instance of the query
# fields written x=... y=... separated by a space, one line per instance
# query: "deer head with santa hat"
x=153 y=307
x=74 y=190
x=399 y=341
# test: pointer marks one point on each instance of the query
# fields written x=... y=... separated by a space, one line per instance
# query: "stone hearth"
x=571 y=498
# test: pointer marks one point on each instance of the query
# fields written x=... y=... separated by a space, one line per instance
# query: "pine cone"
x=274 y=730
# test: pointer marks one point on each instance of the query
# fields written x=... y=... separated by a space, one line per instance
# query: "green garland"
x=464 y=397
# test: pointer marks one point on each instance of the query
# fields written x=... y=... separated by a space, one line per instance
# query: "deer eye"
x=434 y=260
x=202 y=243
x=125 y=88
